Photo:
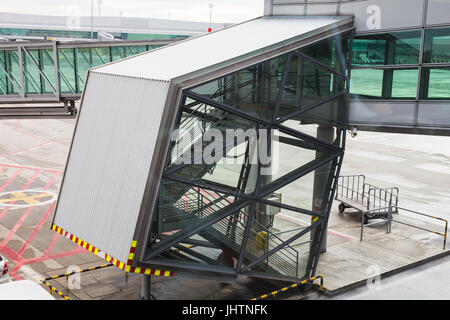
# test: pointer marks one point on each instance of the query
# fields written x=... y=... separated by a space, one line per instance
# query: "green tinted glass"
x=12 y=67
x=404 y=83
x=437 y=46
x=66 y=60
x=435 y=83
x=387 y=48
x=367 y=82
x=3 y=79
x=385 y=84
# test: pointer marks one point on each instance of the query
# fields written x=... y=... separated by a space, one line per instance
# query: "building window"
x=387 y=48
x=437 y=46
x=435 y=83
x=384 y=83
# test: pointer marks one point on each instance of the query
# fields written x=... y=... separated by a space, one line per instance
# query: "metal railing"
x=389 y=220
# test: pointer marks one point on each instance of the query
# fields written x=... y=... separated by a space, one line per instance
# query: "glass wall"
x=241 y=175
x=38 y=67
x=437 y=45
x=390 y=65
x=86 y=34
x=387 y=48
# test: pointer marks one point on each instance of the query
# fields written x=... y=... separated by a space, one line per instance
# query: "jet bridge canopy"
x=125 y=197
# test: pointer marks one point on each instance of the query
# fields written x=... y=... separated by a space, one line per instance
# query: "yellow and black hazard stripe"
x=292 y=286
x=78 y=271
x=53 y=289
x=123 y=266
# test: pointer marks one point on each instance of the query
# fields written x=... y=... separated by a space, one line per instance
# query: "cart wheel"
x=341 y=207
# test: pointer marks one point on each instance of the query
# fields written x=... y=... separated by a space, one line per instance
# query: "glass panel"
x=289 y=261
x=3 y=79
x=182 y=207
x=66 y=62
x=32 y=78
x=118 y=53
x=45 y=33
x=303 y=192
x=307 y=84
x=384 y=83
x=387 y=48
x=253 y=90
x=12 y=67
x=367 y=82
x=217 y=245
x=48 y=69
x=205 y=128
x=437 y=45
x=323 y=51
x=404 y=83
x=435 y=83
x=132 y=50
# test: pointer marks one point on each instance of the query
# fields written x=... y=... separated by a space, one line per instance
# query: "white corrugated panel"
x=212 y=49
x=110 y=160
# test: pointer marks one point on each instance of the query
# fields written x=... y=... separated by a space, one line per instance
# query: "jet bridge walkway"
x=43 y=72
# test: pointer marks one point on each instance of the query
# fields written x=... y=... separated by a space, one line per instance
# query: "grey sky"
x=194 y=10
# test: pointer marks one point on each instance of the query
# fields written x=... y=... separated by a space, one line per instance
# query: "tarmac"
x=33 y=154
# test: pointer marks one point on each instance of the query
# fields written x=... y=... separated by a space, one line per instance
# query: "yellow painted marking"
x=147 y=271
x=134 y=244
x=264 y=296
x=274 y=292
x=128 y=268
x=96 y=251
x=157 y=272
x=121 y=265
x=137 y=270
x=90 y=247
x=167 y=273
x=30 y=199
x=131 y=256
x=54 y=227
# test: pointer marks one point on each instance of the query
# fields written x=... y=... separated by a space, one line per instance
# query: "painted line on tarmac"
x=31 y=168
x=330 y=231
x=31 y=197
x=2 y=214
x=10 y=179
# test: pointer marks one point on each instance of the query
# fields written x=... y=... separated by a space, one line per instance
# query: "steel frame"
x=333 y=153
x=415 y=127
x=53 y=51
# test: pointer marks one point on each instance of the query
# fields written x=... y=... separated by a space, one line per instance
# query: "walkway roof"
x=221 y=47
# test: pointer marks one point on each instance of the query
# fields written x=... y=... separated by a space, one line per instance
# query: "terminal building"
x=138 y=192
x=34 y=27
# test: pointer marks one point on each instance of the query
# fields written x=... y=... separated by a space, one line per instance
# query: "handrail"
x=390 y=220
x=429 y=216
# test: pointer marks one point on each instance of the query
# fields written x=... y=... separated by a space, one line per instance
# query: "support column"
x=321 y=177
x=146 y=292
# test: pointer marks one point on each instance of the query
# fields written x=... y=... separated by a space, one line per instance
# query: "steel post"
x=146 y=292
x=321 y=176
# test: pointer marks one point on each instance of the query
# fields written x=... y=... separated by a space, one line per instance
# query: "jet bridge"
x=49 y=76
x=141 y=188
